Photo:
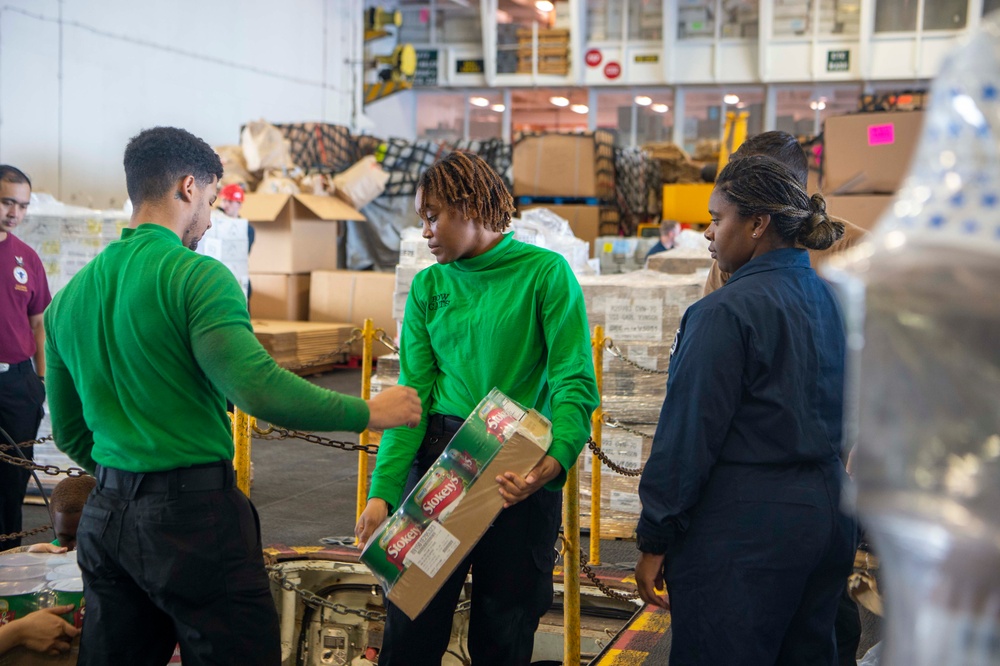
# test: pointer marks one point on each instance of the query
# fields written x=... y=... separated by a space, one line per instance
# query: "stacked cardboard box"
x=587 y=222
x=565 y=165
x=352 y=297
x=640 y=312
x=552 y=52
x=302 y=344
x=620 y=506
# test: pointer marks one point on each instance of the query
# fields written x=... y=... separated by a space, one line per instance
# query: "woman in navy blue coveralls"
x=741 y=494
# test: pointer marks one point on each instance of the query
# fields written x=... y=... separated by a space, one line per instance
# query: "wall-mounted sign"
x=427 y=69
x=469 y=66
x=612 y=70
x=648 y=57
x=593 y=57
x=838 y=61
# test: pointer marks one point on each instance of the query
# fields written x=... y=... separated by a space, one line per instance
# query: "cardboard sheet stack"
x=641 y=312
x=299 y=344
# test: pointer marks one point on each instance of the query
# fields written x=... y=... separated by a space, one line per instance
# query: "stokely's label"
x=440 y=492
x=465 y=464
x=398 y=539
x=500 y=424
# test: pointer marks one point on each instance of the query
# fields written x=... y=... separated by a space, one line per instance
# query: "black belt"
x=212 y=476
x=15 y=367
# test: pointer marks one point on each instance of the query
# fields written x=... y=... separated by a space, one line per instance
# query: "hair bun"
x=819 y=231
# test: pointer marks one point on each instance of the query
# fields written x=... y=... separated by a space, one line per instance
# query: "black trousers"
x=21 y=396
x=757 y=577
x=512 y=580
x=172 y=557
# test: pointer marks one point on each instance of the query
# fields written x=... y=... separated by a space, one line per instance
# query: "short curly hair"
x=71 y=493
x=156 y=158
x=466 y=183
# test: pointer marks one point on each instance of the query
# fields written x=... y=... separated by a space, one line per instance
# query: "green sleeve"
x=69 y=429
x=570 y=367
x=418 y=369
x=226 y=349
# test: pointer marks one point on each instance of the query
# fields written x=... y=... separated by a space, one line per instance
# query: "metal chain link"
x=25 y=534
x=615 y=423
x=605 y=589
x=274 y=432
x=382 y=337
x=309 y=598
x=24 y=445
x=51 y=470
x=615 y=351
x=624 y=471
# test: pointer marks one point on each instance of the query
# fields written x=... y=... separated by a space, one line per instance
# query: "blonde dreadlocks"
x=464 y=182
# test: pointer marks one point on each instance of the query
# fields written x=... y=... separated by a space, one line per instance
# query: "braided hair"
x=762 y=185
x=466 y=183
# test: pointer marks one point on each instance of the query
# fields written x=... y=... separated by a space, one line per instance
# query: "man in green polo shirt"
x=145 y=344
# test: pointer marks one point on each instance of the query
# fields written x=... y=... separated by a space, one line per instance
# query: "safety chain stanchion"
x=571 y=581
x=605 y=589
x=24 y=445
x=309 y=598
x=367 y=335
x=274 y=432
x=615 y=351
x=597 y=419
x=51 y=470
x=241 y=446
x=333 y=355
x=25 y=533
x=601 y=455
x=614 y=423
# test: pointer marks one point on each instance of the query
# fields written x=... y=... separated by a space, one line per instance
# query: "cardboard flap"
x=263 y=207
x=329 y=208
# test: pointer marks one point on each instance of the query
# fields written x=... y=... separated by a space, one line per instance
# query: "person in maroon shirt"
x=24 y=295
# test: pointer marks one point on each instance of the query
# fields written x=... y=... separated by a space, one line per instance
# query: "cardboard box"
x=352 y=297
x=585 y=221
x=565 y=165
x=295 y=233
x=863 y=210
x=869 y=153
x=279 y=296
x=419 y=546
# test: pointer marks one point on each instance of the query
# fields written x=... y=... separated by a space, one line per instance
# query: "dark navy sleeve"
x=703 y=394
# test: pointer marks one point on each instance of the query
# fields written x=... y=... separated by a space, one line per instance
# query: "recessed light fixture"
x=660 y=108
x=579 y=108
x=499 y=108
x=479 y=101
x=731 y=99
x=544 y=6
x=817 y=105
x=559 y=101
x=643 y=100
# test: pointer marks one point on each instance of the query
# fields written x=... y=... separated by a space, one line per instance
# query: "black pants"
x=172 y=557
x=21 y=396
x=512 y=580
x=757 y=577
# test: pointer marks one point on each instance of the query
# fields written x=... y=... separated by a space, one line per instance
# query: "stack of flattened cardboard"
x=301 y=344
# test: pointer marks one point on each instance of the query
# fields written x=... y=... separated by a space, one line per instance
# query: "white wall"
x=393 y=117
x=79 y=77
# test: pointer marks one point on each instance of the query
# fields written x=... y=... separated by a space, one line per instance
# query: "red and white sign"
x=612 y=70
x=593 y=57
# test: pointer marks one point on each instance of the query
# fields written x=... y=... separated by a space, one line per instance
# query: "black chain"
x=25 y=534
x=615 y=423
x=273 y=432
x=615 y=351
x=51 y=470
x=24 y=445
x=309 y=598
x=624 y=471
x=605 y=589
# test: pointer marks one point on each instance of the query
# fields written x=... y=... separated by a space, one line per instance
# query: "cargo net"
x=638 y=187
x=326 y=148
x=406 y=161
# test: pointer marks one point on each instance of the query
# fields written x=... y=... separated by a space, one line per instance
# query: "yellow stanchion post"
x=368 y=335
x=241 y=444
x=595 y=474
x=571 y=568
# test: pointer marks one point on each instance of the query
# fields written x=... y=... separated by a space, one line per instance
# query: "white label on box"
x=633 y=319
x=513 y=410
x=625 y=502
x=432 y=550
x=624 y=450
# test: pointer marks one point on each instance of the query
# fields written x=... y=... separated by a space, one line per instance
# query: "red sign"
x=593 y=57
x=612 y=70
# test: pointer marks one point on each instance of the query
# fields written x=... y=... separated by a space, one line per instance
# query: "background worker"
x=24 y=295
x=669 y=231
x=145 y=344
x=785 y=148
x=230 y=202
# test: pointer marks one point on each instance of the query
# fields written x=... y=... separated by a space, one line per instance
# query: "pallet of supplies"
x=301 y=344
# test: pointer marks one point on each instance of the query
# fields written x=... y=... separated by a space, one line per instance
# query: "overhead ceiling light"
x=731 y=99
x=643 y=100
x=817 y=106
x=499 y=108
x=580 y=108
x=479 y=101
x=544 y=6
x=660 y=108
x=559 y=101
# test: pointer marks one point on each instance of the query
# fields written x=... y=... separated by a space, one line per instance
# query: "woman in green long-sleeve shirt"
x=493 y=312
